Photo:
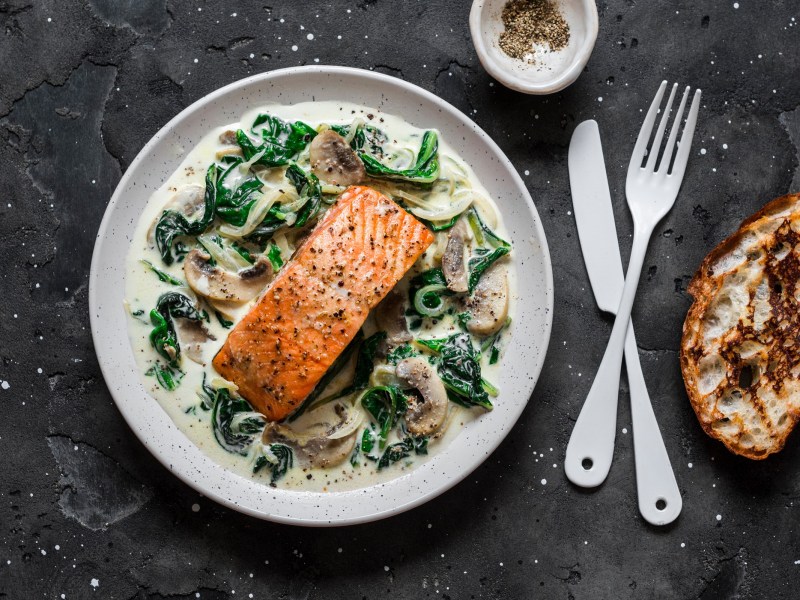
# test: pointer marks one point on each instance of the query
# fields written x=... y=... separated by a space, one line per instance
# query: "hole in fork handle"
x=587 y=464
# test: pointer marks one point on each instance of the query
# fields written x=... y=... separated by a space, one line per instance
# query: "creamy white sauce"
x=143 y=290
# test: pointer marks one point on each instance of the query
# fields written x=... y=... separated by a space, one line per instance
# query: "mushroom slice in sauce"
x=391 y=317
x=323 y=437
x=334 y=161
x=191 y=337
x=423 y=417
x=488 y=305
x=228 y=137
x=231 y=147
x=217 y=283
x=453 y=264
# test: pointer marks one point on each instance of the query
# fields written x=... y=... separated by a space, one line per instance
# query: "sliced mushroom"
x=453 y=263
x=391 y=317
x=488 y=305
x=323 y=437
x=228 y=137
x=334 y=161
x=423 y=417
x=220 y=284
x=191 y=337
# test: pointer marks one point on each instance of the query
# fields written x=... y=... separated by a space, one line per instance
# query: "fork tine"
x=656 y=145
x=685 y=145
x=646 y=130
x=666 y=158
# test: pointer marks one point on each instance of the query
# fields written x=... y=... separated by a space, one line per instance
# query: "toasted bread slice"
x=740 y=352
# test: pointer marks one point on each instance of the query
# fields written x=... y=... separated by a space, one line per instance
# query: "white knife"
x=590 y=452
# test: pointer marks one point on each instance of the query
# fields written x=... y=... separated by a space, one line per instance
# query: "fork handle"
x=591 y=445
x=660 y=499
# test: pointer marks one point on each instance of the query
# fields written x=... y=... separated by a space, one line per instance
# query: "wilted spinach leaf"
x=484 y=259
x=399 y=353
x=274 y=256
x=386 y=404
x=162 y=276
x=281 y=141
x=424 y=170
x=364 y=364
x=280 y=458
x=167 y=376
x=403 y=449
x=163 y=337
x=172 y=223
x=460 y=370
x=233 y=420
x=308 y=186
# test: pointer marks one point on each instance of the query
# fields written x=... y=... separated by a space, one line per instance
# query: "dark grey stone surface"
x=86 y=512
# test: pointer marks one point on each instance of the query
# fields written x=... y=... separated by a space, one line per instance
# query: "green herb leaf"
x=233 y=205
x=367 y=137
x=441 y=225
x=403 y=449
x=424 y=170
x=492 y=343
x=172 y=224
x=162 y=276
x=222 y=320
x=478 y=265
x=483 y=233
x=354 y=462
x=281 y=141
x=163 y=337
x=274 y=220
x=274 y=256
x=243 y=252
x=460 y=370
x=167 y=376
x=367 y=441
x=386 y=404
x=280 y=457
x=308 y=186
x=233 y=433
x=395 y=355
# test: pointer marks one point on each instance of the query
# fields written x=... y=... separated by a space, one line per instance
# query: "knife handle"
x=591 y=445
x=660 y=500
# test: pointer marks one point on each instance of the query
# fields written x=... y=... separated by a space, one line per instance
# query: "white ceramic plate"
x=522 y=360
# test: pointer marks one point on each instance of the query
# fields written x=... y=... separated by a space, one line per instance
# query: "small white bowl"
x=552 y=71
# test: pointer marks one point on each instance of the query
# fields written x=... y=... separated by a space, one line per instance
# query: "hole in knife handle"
x=661 y=504
x=587 y=464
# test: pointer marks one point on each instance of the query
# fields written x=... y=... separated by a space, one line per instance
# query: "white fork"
x=651 y=191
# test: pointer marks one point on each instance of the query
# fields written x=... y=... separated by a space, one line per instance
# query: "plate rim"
x=95 y=317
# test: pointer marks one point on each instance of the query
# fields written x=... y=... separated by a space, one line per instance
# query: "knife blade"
x=594 y=216
x=659 y=498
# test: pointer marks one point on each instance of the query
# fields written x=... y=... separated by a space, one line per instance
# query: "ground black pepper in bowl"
x=529 y=23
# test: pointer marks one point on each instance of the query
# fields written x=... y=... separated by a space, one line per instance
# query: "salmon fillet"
x=320 y=299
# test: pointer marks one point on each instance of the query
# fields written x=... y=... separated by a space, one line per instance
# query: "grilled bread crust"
x=740 y=351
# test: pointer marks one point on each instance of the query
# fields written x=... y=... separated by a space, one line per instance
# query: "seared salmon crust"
x=319 y=300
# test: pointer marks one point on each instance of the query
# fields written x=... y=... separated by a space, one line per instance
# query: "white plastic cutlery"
x=651 y=191
x=660 y=501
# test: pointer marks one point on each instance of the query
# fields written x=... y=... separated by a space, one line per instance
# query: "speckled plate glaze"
x=522 y=361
